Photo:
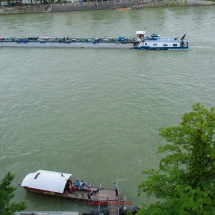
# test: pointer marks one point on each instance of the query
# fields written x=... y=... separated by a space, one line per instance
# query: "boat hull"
x=84 y=45
x=66 y=45
x=101 y=195
x=160 y=48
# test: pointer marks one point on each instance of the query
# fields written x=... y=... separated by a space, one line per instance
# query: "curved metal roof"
x=46 y=180
x=140 y=32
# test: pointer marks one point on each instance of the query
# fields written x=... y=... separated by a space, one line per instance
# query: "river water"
x=96 y=113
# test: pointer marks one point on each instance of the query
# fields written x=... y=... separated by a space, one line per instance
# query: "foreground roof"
x=46 y=180
x=47 y=213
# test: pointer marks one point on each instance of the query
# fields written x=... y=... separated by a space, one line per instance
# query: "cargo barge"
x=140 y=42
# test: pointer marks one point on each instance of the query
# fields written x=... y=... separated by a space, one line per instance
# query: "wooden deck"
x=102 y=195
x=106 y=194
x=99 y=194
x=113 y=210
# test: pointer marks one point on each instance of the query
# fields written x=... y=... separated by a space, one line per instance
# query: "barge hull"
x=66 y=45
x=85 y=45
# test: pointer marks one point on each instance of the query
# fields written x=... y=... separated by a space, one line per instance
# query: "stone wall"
x=38 y=8
x=89 y=6
x=106 y=5
x=170 y=3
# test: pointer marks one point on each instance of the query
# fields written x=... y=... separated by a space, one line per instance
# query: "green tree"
x=184 y=183
x=129 y=212
x=6 y=195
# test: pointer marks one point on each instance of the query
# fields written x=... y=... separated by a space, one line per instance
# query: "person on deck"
x=88 y=195
x=81 y=184
x=66 y=193
x=77 y=183
x=74 y=190
x=116 y=188
x=70 y=186
x=90 y=192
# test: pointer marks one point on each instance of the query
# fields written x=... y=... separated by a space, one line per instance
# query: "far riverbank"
x=103 y=5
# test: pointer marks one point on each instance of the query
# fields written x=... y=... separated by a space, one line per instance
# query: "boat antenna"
x=183 y=37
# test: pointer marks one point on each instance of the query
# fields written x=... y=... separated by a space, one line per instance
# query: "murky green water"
x=97 y=113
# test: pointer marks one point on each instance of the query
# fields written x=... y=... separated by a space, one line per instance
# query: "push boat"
x=140 y=42
x=58 y=184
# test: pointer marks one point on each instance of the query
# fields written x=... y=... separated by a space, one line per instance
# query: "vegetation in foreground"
x=184 y=182
x=6 y=195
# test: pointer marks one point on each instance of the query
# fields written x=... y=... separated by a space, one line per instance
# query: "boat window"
x=155 y=44
x=145 y=43
x=36 y=175
x=174 y=44
x=165 y=45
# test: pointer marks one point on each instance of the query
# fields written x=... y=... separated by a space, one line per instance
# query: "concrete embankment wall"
x=90 y=6
x=66 y=7
x=42 y=8
x=39 y=8
x=169 y=3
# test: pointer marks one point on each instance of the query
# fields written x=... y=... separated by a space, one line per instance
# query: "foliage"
x=6 y=195
x=184 y=182
x=129 y=212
